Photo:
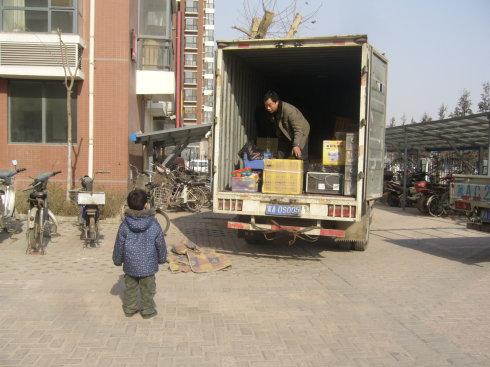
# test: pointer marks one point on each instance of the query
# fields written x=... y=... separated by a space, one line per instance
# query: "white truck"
x=471 y=193
x=324 y=77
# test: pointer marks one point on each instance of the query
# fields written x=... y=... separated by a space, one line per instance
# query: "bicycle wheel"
x=208 y=197
x=163 y=219
x=195 y=199
x=434 y=205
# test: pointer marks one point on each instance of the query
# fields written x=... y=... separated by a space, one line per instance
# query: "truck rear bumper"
x=314 y=231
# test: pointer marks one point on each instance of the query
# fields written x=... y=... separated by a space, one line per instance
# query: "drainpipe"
x=91 y=82
x=177 y=69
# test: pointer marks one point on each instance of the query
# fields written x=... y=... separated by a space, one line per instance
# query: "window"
x=209 y=100
x=209 y=84
x=209 y=18
x=154 y=18
x=190 y=112
x=190 y=95
x=191 y=24
x=208 y=117
x=190 y=77
x=155 y=54
x=190 y=41
x=40 y=15
x=210 y=4
x=37 y=112
x=209 y=52
x=191 y=6
x=209 y=35
x=190 y=59
x=208 y=68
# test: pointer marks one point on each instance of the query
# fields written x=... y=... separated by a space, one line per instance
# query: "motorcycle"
x=7 y=196
x=90 y=204
x=40 y=220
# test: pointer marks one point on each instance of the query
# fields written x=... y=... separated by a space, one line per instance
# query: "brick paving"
x=417 y=297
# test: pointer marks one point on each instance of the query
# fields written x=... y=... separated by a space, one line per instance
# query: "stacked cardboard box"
x=283 y=176
x=350 y=172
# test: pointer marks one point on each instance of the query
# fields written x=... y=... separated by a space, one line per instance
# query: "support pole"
x=405 y=159
x=488 y=158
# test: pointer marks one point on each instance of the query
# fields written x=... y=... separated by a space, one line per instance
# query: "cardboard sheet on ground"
x=187 y=256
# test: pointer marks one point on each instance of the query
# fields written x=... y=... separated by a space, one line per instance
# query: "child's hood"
x=139 y=220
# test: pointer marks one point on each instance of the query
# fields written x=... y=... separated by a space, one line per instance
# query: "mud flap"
x=357 y=233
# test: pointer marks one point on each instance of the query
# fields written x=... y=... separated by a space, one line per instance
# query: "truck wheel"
x=361 y=245
x=252 y=237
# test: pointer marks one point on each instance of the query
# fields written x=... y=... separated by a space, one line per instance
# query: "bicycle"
x=40 y=220
x=143 y=180
x=178 y=192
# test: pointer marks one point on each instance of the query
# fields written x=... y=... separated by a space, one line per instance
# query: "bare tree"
x=70 y=76
x=261 y=18
x=403 y=119
x=463 y=106
x=412 y=121
x=484 y=104
x=426 y=117
x=392 y=122
x=442 y=111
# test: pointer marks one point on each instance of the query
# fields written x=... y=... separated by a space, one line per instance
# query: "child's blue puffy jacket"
x=140 y=244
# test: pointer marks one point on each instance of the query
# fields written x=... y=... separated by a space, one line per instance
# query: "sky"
x=435 y=48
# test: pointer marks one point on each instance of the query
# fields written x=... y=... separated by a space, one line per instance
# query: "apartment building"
x=122 y=56
x=198 y=62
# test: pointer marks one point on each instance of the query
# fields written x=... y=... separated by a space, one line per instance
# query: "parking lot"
x=419 y=296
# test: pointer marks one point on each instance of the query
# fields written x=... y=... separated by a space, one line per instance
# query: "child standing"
x=140 y=246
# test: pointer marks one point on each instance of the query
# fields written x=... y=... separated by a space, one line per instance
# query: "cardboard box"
x=283 y=176
x=324 y=183
x=350 y=180
x=271 y=143
x=245 y=184
x=333 y=152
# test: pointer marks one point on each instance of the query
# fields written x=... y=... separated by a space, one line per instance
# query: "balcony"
x=38 y=56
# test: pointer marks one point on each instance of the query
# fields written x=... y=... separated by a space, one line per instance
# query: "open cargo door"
x=376 y=123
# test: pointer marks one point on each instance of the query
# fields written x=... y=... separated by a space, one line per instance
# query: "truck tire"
x=357 y=234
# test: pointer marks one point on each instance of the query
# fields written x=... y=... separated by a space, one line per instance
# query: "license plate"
x=283 y=210
x=485 y=215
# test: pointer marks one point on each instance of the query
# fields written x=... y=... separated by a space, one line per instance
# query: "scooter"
x=90 y=204
x=40 y=220
x=7 y=196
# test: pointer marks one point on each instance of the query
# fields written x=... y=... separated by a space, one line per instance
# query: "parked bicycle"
x=90 y=204
x=144 y=181
x=41 y=222
x=177 y=192
x=7 y=196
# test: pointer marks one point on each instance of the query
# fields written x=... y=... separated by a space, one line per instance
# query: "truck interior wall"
x=322 y=84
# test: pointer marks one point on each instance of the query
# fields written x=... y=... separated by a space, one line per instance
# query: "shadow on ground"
x=210 y=230
x=467 y=250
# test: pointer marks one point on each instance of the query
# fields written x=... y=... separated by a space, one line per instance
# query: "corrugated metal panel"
x=460 y=132
x=36 y=54
x=376 y=127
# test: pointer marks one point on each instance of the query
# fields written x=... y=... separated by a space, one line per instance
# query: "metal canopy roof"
x=178 y=136
x=465 y=132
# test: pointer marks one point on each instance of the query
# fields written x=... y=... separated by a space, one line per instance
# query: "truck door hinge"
x=360 y=175
x=363 y=122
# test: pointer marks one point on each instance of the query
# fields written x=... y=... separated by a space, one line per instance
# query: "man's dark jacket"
x=140 y=244
x=291 y=123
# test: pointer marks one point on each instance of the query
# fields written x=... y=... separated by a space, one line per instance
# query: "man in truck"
x=290 y=125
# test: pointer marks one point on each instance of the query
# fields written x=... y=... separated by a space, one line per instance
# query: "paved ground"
x=419 y=296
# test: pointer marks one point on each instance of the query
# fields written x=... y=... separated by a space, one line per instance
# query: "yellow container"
x=334 y=152
x=283 y=176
